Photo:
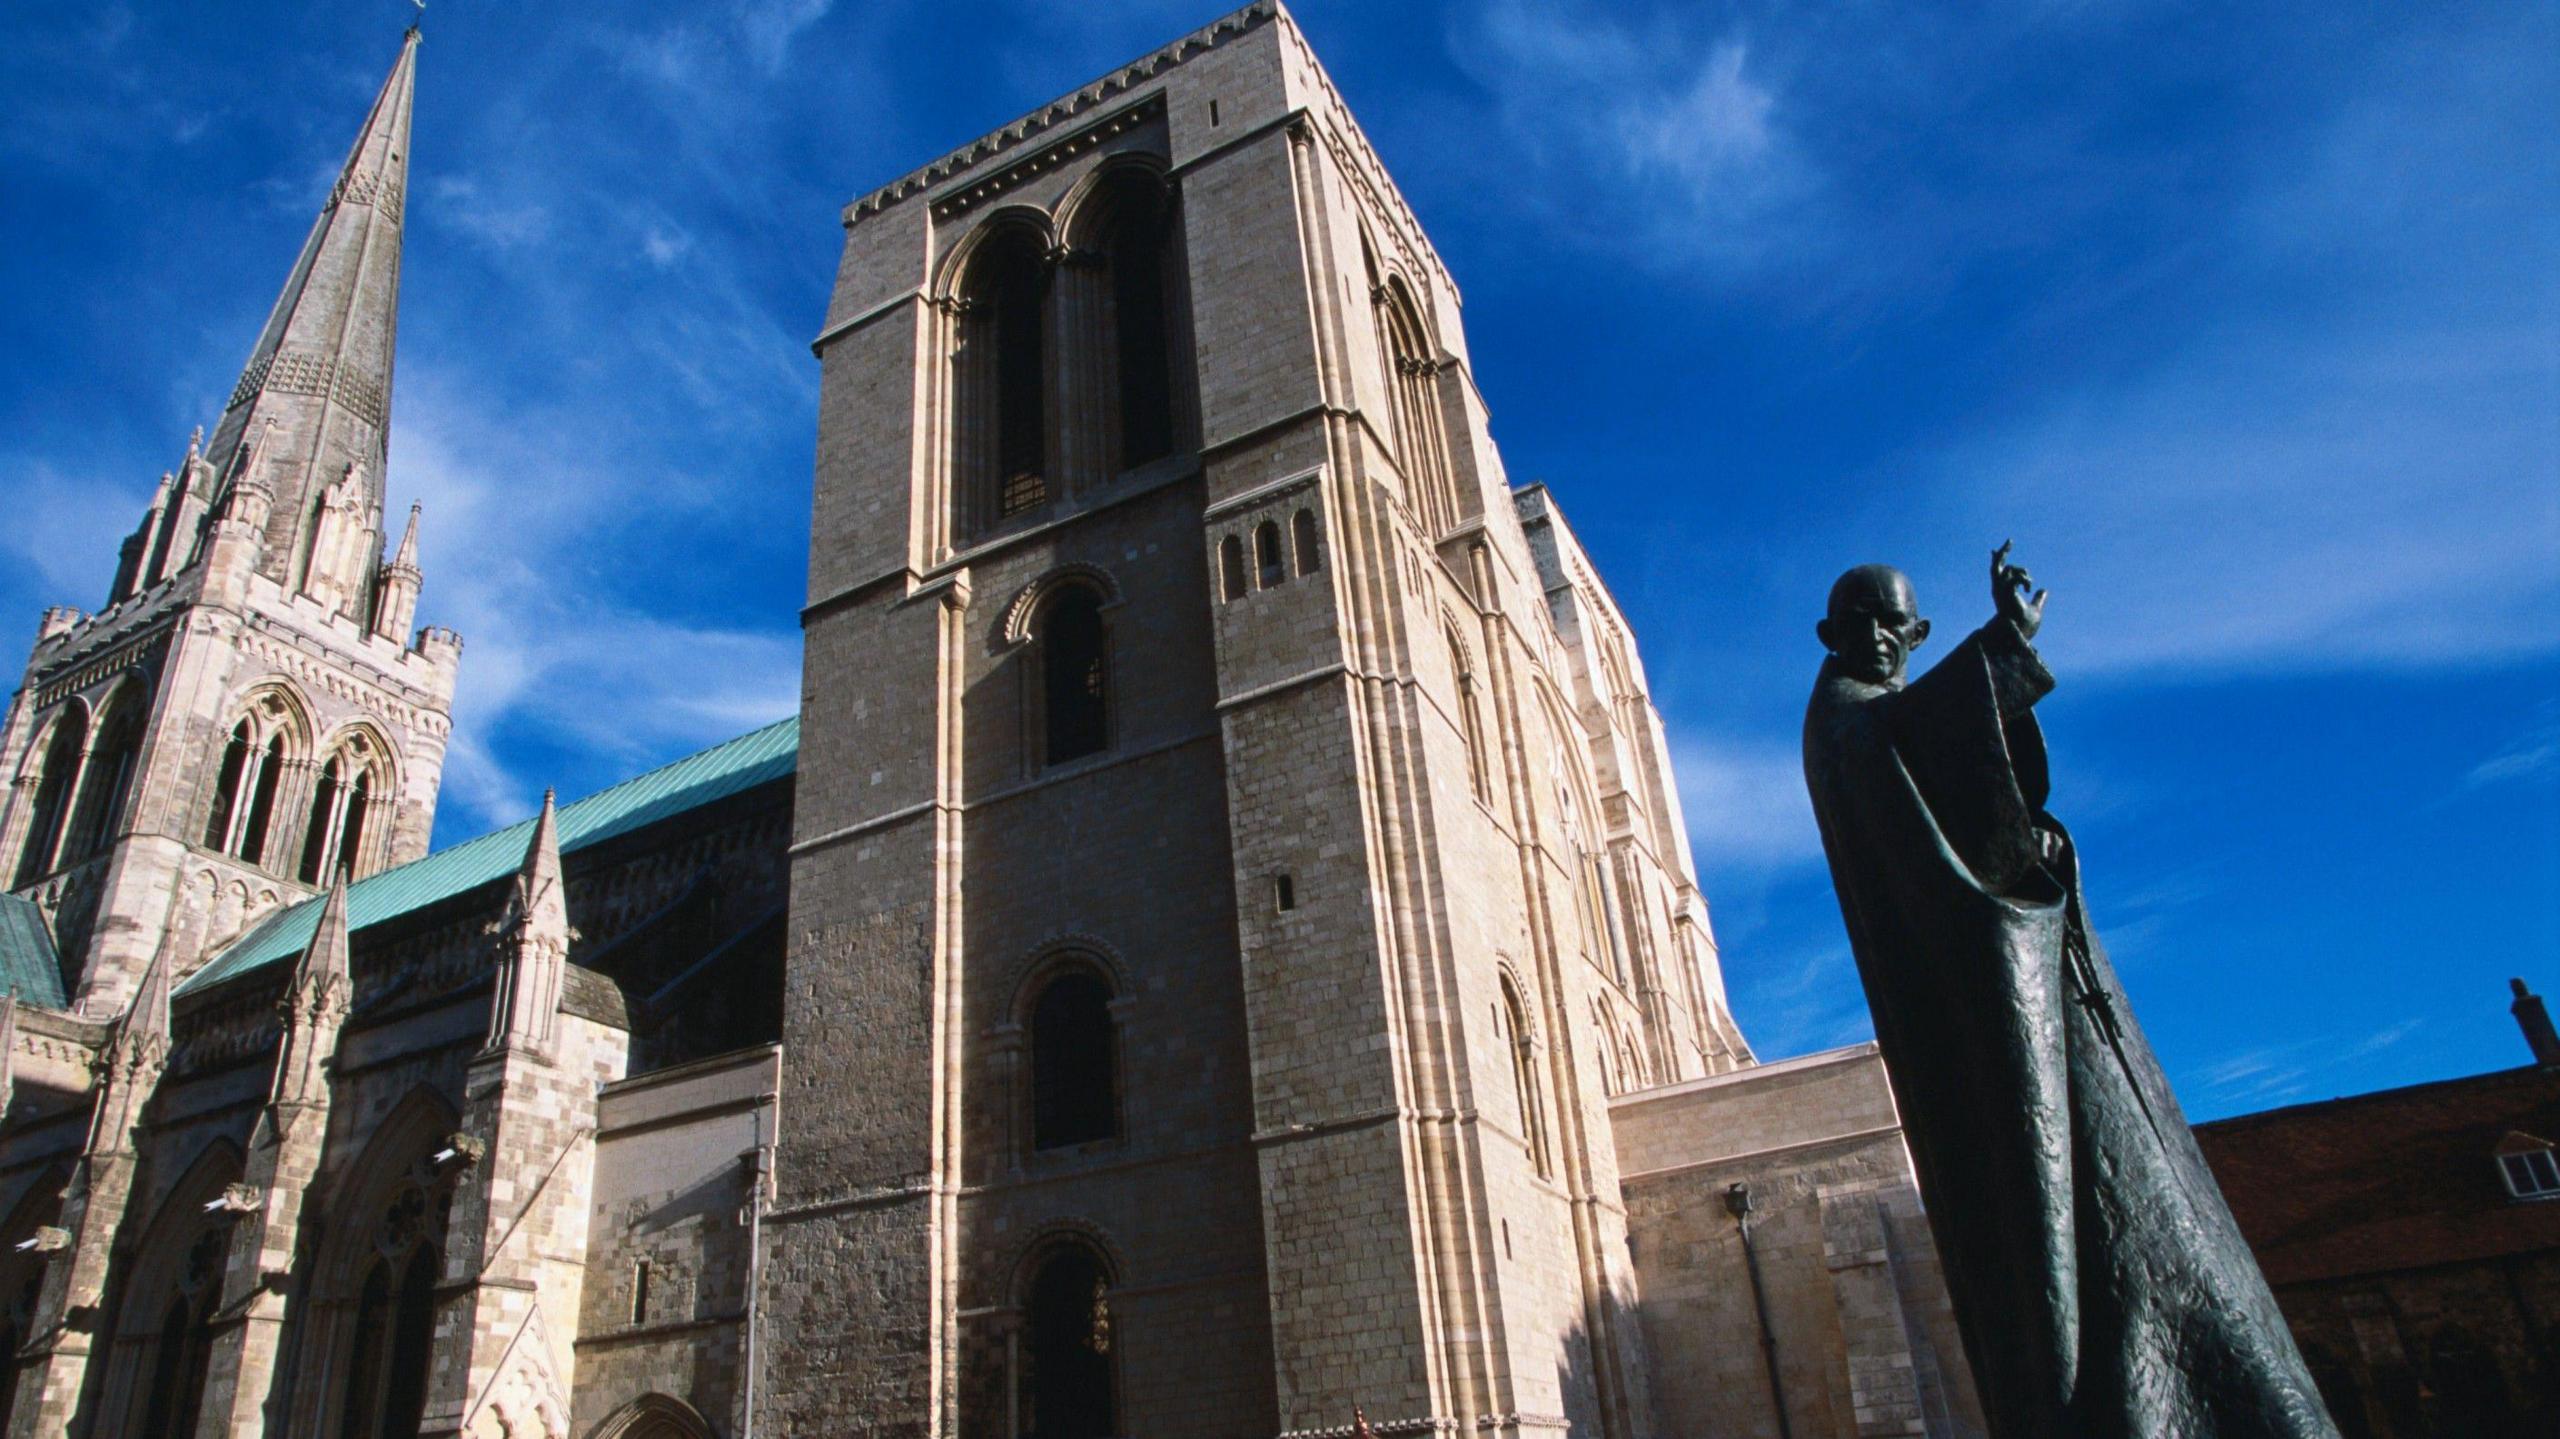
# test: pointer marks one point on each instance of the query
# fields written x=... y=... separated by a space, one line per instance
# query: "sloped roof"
x=737 y=765
x=29 y=967
x=2399 y=1179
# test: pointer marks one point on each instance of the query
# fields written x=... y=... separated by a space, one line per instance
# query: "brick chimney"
x=2535 y=1021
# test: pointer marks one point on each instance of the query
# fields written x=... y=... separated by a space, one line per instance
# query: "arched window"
x=52 y=796
x=1074 y=674
x=226 y=787
x=341 y=808
x=393 y=1334
x=1524 y=1074
x=1231 y=568
x=1267 y=563
x=262 y=802
x=1075 y=1062
x=1067 y=1378
x=1470 y=719
x=183 y=1346
x=1306 y=542
x=1141 y=310
x=1002 y=433
x=1413 y=402
x=106 y=781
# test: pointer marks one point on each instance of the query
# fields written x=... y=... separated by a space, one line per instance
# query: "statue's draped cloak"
x=2099 y=1281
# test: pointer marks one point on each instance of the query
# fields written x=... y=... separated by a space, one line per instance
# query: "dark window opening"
x=1231 y=567
x=394 y=1341
x=178 y=1365
x=262 y=804
x=226 y=787
x=106 y=782
x=1284 y=892
x=53 y=798
x=1075 y=681
x=1145 y=353
x=1266 y=554
x=315 y=839
x=640 y=1292
x=1021 y=427
x=1068 y=1369
x=1074 y=1063
x=1309 y=547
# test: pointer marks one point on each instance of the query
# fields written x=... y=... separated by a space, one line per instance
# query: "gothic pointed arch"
x=46 y=790
x=655 y=1416
x=261 y=750
x=1519 y=1035
x=373 y=1285
x=169 y=1299
x=1470 y=713
x=106 y=779
x=22 y=1271
x=347 y=819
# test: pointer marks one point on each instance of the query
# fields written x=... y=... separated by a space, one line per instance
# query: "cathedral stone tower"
x=1236 y=856
x=249 y=712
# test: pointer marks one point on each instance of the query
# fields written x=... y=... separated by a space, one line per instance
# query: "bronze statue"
x=2099 y=1281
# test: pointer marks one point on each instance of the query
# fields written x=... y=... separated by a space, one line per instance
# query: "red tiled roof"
x=2398 y=1179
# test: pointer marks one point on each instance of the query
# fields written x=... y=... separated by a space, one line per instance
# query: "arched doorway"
x=1069 y=1389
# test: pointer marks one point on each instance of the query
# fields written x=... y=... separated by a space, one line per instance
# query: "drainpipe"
x=755 y=1167
x=1737 y=1201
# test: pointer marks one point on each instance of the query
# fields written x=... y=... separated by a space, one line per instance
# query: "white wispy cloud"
x=1745 y=802
x=2274 y=1073
x=2533 y=755
x=64 y=528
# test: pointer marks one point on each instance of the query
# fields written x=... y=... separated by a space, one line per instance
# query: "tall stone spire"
x=321 y=371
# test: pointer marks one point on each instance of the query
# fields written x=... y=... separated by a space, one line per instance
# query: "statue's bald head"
x=1873 y=623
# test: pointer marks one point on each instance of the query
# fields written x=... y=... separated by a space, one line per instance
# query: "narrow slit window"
x=1266 y=554
x=1309 y=545
x=1231 y=567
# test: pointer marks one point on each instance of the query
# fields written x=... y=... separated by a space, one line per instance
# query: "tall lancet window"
x=1521 y=1041
x=183 y=1345
x=1001 y=438
x=50 y=796
x=341 y=818
x=107 y=782
x=1141 y=313
x=264 y=747
x=1413 y=404
x=393 y=1331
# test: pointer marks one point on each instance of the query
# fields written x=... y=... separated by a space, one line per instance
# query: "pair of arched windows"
x=1270 y=565
x=81 y=785
x=256 y=804
x=1065 y=356
x=182 y=1346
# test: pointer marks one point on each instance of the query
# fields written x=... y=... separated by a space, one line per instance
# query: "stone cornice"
x=1049 y=157
x=1057 y=112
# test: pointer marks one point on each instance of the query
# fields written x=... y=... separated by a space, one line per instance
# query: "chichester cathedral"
x=1216 y=954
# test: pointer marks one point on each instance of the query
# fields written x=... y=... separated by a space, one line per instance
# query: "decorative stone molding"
x=1058 y=112
x=1049 y=158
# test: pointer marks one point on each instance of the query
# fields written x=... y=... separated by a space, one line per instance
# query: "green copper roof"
x=29 y=968
x=740 y=764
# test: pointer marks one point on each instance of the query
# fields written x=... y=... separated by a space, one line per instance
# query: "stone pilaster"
x=284 y=1155
x=53 y=1368
x=515 y=1258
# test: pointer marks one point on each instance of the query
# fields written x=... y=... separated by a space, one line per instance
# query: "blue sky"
x=2239 y=320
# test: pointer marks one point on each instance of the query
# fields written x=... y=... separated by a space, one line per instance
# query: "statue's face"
x=1874 y=624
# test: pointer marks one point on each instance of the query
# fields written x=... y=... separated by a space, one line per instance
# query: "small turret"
x=133 y=561
x=395 y=598
x=182 y=528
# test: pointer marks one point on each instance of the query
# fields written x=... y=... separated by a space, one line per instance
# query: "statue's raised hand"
x=2009 y=586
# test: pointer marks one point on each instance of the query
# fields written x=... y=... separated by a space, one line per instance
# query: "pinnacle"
x=327 y=952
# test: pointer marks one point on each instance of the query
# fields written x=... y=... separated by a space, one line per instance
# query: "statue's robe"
x=2099 y=1281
